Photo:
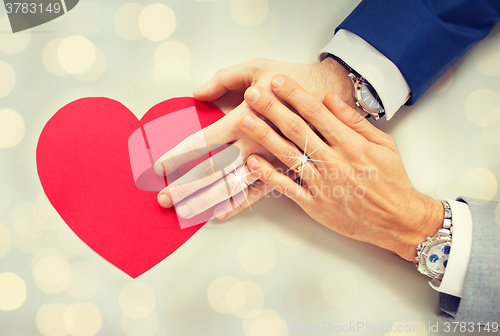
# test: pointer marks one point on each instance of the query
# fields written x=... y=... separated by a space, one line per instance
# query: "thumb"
x=235 y=77
x=354 y=120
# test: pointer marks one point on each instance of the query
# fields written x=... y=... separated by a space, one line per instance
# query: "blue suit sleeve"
x=422 y=37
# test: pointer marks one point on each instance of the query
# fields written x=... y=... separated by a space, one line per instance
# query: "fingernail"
x=252 y=94
x=253 y=163
x=164 y=200
x=158 y=168
x=220 y=213
x=337 y=101
x=183 y=210
x=277 y=81
x=248 y=121
x=199 y=90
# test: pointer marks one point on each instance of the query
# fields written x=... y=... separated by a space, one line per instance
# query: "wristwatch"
x=366 y=96
x=433 y=253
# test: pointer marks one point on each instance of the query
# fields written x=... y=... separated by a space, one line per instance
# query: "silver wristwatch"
x=366 y=96
x=433 y=253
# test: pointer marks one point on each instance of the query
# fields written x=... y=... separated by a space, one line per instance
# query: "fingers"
x=311 y=109
x=351 y=118
x=290 y=124
x=204 y=174
x=277 y=181
x=219 y=191
x=194 y=147
x=242 y=200
x=232 y=78
x=283 y=149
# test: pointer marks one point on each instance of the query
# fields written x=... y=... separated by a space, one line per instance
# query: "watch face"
x=437 y=258
x=370 y=97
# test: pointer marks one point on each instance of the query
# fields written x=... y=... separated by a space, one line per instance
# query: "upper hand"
x=355 y=182
x=316 y=78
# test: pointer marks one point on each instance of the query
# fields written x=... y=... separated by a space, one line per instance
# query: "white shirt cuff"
x=380 y=72
x=461 y=245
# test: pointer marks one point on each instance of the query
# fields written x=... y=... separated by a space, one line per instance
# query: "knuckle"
x=267 y=107
x=312 y=108
x=391 y=140
x=170 y=161
x=291 y=93
x=266 y=175
x=199 y=143
x=241 y=206
x=355 y=118
x=290 y=155
x=295 y=127
x=392 y=143
x=218 y=74
x=256 y=189
x=178 y=193
x=264 y=134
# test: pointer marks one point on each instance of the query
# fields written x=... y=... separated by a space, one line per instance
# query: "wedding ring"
x=245 y=183
x=211 y=160
x=300 y=167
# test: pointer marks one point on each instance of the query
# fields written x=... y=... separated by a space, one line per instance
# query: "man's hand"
x=354 y=183
x=316 y=78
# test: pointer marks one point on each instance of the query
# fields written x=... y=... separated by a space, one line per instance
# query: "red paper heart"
x=84 y=167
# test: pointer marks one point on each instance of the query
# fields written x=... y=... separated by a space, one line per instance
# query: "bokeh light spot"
x=82 y=319
x=217 y=293
x=50 y=319
x=51 y=271
x=76 y=54
x=157 y=22
x=12 y=128
x=245 y=299
x=12 y=291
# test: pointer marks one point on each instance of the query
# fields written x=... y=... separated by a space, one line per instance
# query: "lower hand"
x=354 y=183
x=316 y=78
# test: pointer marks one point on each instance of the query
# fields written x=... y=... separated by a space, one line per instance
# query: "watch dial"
x=437 y=258
x=370 y=97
